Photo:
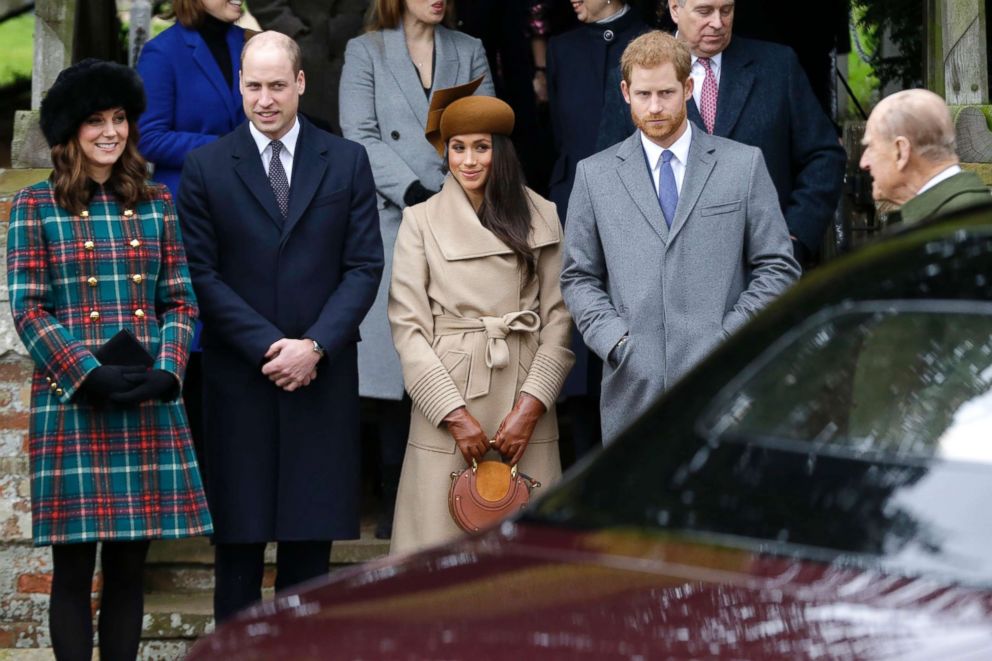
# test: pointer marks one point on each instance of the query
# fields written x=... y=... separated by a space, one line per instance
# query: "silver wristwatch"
x=317 y=349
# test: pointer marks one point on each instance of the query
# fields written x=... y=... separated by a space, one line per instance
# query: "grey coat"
x=383 y=106
x=675 y=292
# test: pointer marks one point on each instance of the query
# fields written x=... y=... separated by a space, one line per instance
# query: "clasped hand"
x=511 y=438
x=291 y=364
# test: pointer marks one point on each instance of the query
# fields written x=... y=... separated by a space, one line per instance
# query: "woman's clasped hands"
x=511 y=438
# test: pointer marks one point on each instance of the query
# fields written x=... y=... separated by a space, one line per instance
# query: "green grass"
x=17 y=49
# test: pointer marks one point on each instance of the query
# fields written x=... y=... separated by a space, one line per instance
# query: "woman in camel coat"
x=477 y=317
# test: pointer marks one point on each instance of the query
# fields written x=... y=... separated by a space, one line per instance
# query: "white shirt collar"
x=679 y=148
x=940 y=176
x=714 y=63
x=288 y=141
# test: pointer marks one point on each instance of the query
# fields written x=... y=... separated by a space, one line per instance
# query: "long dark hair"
x=72 y=185
x=505 y=209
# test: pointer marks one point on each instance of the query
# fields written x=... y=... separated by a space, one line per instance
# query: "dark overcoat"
x=103 y=473
x=280 y=465
x=588 y=114
x=766 y=101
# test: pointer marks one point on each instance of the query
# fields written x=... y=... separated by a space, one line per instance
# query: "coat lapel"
x=456 y=227
x=208 y=66
x=445 y=60
x=736 y=81
x=403 y=71
x=697 y=172
x=309 y=166
x=248 y=165
x=636 y=178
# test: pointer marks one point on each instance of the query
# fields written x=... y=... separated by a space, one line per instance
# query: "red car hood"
x=552 y=594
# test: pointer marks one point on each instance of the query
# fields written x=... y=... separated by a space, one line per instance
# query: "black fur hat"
x=87 y=87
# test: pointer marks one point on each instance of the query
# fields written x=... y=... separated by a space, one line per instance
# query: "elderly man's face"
x=270 y=91
x=704 y=25
x=880 y=159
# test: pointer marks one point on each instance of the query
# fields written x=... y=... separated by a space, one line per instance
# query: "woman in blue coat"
x=588 y=114
x=190 y=73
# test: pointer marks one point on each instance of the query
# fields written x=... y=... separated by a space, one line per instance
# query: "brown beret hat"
x=454 y=111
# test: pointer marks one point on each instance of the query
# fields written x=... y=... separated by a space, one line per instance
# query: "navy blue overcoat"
x=766 y=101
x=588 y=113
x=281 y=466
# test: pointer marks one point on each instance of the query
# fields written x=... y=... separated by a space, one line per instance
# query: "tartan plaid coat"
x=103 y=473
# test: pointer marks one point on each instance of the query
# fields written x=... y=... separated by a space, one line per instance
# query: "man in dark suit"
x=281 y=229
x=755 y=92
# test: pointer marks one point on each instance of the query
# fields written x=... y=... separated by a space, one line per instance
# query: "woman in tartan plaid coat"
x=91 y=251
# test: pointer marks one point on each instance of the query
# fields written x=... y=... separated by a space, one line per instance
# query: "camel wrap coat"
x=471 y=330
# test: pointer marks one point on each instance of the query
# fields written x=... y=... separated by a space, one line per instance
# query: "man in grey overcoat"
x=674 y=239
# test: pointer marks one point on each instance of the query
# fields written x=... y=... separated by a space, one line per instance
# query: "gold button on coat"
x=91 y=281
x=59 y=392
x=54 y=386
x=89 y=245
x=139 y=313
x=137 y=278
x=94 y=315
x=135 y=243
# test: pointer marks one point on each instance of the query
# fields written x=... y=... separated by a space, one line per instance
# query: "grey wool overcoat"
x=675 y=292
x=471 y=330
x=384 y=107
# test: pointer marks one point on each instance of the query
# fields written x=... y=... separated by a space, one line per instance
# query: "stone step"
x=177 y=615
x=197 y=551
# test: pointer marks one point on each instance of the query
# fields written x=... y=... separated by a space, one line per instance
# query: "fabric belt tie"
x=490 y=350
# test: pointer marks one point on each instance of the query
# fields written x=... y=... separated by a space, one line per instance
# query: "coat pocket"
x=330 y=198
x=457 y=363
x=717 y=209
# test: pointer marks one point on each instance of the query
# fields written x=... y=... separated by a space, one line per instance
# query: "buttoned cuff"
x=436 y=394
x=547 y=373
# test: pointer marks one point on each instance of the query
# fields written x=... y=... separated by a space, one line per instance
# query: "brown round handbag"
x=487 y=492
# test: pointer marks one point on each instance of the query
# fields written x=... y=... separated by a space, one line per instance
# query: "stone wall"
x=25 y=572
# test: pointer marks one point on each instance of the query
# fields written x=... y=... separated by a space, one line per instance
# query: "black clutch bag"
x=124 y=349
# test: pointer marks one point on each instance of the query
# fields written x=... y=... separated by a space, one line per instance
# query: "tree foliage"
x=903 y=21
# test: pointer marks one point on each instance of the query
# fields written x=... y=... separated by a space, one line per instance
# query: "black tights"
x=70 y=619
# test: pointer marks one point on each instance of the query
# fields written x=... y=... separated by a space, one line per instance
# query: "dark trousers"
x=70 y=619
x=238 y=571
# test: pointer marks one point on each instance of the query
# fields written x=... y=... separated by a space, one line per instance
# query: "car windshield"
x=865 y=433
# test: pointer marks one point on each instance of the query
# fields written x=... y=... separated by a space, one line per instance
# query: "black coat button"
x=395 y=135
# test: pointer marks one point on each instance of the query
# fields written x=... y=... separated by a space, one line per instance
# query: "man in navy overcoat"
x=282 y=234
x=764 y=100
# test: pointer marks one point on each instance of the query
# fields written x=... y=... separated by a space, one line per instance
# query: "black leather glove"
x=153 y=384
x=416 y=194
x=107 y=380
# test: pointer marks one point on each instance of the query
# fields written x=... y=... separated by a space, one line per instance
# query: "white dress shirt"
x=939 y=177
x=680 y=155
x=698 y=73
x=288 y=148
